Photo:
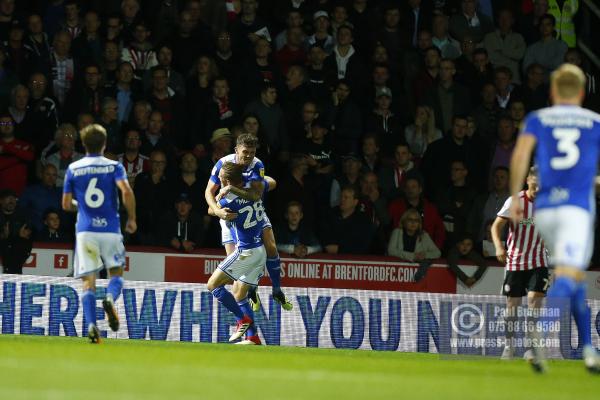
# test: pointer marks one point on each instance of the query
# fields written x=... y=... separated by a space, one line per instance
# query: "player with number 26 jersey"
x=92 y=181
x=568 y=140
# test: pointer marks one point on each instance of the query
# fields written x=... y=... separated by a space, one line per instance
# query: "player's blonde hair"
x=93 y=138
x=232 y=172
x=568 y=81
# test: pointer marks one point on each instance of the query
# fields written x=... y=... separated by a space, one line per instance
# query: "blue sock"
x=274 y=269
x=581 y=313
x=227 y=299
x=88 y=301
x=246 y=309
x=114 y=287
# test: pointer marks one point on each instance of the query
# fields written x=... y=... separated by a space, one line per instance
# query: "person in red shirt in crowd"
x=15 y=156
x=134 y=162
x=432 y=222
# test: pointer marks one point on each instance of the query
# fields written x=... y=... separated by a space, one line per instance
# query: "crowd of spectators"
x=388 y=125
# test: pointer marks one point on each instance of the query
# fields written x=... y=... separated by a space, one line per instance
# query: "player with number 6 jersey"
x=91 y=189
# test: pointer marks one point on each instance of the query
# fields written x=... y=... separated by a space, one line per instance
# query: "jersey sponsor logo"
x=99 y=222
x=94 y=170
x=559 y=195
x=262 y=172
x=526 y=221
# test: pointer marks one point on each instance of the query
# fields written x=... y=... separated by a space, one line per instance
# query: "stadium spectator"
x=109 y=119
x=8 y=80
x=294 y=19
x=272 y=121
x=19 y=110
x=62 y=67
x=188 y=183
x=346 y=118
x=529 y=24
x=260 y=70
x=463 y=250
x=516 y=111
x=535 y=92
x=482 y=73
x=39 y=197
x=505 y=90
x=455 y=202
x=350 y=176
x=549 y=52
x=86 y=97
x=393 y=35
x=164 y=57
x=114 y=30
x=125 y=90
x=347 y=230
x=447 y=98
x=565 y=12
x=183 y=228
x=391 y=178
x=344 y=61
x=15 y=234
x=200 y=82
x=422 y=132
x=171 y=107
x=294 y=236
x=44 y=112
x=111 y=59
x=413 y=198
x=64 y=140
x=486 y=206
x=506 y=47
x=410 y=242
x=52 y=230
x=18 y=58
x=321 y=37
x=154 y=194
x=374 y=205
x=469 y=21
x=139 y=51
x=505 y=143
x=37 y=43
x=220 y=146
x=371 y=159
x=249 y=28
x=297 y=185
x=382 y=121
x=134 y=162
x=227 y=62
x=448 y=46
x=187 y=45
x=292 y=53
x=87 y=46
x=295 y=94
x=428 y=75
x=16 y=156
x=72 y=23
x=319 y=79
x=486 y=114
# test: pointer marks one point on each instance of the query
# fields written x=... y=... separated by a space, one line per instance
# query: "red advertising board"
x=323 y=273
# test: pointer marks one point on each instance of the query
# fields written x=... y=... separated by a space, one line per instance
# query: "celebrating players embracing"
x=91 y=188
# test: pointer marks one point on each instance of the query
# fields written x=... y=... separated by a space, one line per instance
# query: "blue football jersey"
x=568 y=138
x=93 y=183
x=246 y=228
x=253 y=172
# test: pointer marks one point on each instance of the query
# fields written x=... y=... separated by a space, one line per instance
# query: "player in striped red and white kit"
x=525 y=258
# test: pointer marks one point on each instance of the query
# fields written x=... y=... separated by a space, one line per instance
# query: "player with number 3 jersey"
x=91 y=188
x=566 y=139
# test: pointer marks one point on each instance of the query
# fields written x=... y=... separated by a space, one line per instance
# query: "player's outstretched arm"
x=272 y=183
x=129 y=202
x=519 y=165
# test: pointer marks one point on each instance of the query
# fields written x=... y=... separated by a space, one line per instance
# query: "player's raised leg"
x=113 y=291
x=274 y=268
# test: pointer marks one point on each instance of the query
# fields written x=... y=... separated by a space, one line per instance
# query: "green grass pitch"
x=69 y=368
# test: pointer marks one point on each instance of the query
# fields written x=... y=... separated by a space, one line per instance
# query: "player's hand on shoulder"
x=131 y=226
x=227 y=214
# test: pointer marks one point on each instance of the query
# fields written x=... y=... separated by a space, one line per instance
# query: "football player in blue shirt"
x=253 y=189
x=245 y=264
x=91 y=188
x=566 y=138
